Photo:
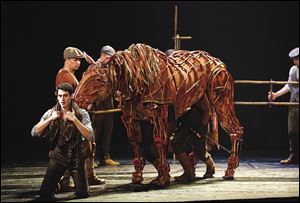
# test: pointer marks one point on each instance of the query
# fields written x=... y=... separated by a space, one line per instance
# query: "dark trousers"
x=56 y=168
x=293 y=129
x=186 y=140
x=149 y=148
x=103 y=127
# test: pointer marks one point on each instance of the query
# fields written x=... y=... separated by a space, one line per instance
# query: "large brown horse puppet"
x=146 y=82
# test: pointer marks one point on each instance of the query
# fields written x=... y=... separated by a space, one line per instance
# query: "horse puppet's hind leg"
x=221 y=92
x=134 y=134
x=160 y=119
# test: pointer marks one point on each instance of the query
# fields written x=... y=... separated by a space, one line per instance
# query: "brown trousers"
x=89 y=148
x=56 y=168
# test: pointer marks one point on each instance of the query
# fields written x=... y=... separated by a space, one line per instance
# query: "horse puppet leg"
x=134 y=137
x=161 y=140
x=221 y=91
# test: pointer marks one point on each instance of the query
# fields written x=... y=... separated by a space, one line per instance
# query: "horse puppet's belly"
x=186 y=98
x=182 y=89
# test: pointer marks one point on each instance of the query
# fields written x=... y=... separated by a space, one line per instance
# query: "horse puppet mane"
x=180 y=79
x=141 y=66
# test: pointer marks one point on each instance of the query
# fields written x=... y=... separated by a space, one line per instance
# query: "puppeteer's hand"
x=271 y=96
x=89 y=107
x=71 y=116
x=55 y=115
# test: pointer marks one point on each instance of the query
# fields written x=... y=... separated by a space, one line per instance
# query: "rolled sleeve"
x=293 y=76
x=86 y=121
x=44 y=117
x=289 y=86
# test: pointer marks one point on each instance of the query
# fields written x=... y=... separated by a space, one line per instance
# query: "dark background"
x=252 y=38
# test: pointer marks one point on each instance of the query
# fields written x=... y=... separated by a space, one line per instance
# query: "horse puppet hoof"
x=228 y=177
x=229 y=174
x=137 y=178
x=160 y=181
x=137 y=181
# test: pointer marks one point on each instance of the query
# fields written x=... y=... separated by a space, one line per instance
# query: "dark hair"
x=65 y=87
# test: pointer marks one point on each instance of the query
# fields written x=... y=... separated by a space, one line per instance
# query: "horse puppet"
x=146 y=83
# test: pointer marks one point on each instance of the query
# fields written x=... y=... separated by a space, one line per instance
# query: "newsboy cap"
x=294 y=53
x=108 y=50
x=73 y=52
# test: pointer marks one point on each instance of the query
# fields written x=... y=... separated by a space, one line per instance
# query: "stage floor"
x=255 y=180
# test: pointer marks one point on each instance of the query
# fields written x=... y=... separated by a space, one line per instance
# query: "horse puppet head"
x=95 y=85
x=126 y=75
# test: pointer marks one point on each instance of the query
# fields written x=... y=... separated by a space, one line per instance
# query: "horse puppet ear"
x=88 y=58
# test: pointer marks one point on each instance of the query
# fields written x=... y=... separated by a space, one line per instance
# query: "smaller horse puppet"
x=146 y=83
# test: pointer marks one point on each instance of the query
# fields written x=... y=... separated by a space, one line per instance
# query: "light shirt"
x=294 y=89
x=86 y=121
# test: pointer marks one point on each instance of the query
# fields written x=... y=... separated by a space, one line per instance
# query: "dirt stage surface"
x=255 y=179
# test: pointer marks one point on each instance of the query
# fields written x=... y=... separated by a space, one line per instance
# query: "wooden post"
x=177 y=38
x=175 y=27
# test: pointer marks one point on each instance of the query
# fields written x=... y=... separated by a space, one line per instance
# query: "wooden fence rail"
x=247 y=103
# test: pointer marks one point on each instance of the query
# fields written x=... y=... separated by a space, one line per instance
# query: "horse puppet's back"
x=183 y=81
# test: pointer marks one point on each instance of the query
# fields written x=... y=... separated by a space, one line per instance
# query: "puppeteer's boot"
x=66 y=185
x=189 y=170
x=210 y=168
x=109 y=162
x=290 y=160
x=93 y=179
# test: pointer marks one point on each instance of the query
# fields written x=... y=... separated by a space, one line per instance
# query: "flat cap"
x=294 y=53
x=108 y=50
x=73 y=52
